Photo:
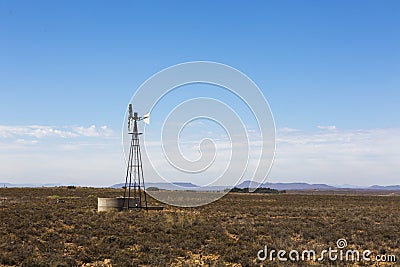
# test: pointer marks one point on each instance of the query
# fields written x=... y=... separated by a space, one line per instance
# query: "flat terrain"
x=61 y=227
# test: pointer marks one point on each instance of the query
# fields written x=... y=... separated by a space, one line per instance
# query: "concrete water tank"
x=114 y=203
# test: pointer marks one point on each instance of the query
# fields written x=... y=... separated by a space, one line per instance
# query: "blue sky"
x=319 y=63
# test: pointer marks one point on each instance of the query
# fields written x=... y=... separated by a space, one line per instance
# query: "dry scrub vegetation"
x=61 y=227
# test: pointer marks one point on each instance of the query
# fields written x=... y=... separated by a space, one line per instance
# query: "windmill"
x=135 y=194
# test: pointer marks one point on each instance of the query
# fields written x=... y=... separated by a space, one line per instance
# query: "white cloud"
x=87 y=155
x=35 y=131
x=329 y=127
x=287 y=130
x=93 y=131
x=359 y=156
x=43 y=131
x=333 y=156
x=64 y=154
x=26 y=142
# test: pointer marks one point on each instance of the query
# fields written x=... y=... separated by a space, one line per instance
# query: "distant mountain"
x=178 y=186
x=380 y=187
x=254 y=184
x=306 y=186
x=166 y=186
x=249 y=184
x=183 y=184
x=244 y=184
x=349 y=186
x=286 y=186
x=28 y=185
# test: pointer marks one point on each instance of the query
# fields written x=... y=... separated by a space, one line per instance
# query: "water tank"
x=114 y=203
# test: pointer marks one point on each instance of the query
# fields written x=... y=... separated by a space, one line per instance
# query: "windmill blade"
x=130 y=111
x=130 y=118
x=146 y=118
x=130 y=124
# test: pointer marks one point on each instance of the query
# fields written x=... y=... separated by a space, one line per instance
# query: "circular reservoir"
x=114 y=203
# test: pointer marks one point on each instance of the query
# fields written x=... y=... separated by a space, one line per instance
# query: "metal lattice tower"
x=135 y=194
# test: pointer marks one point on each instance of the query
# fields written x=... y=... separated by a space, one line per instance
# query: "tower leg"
x=134 y=193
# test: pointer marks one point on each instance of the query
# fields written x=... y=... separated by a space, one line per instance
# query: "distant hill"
x=244 y=184
x=248 y=184
x=167 y=186
x=253 y=184
x=286 y=186
x=179 y=186
x=28 y=185
x=380 y=187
